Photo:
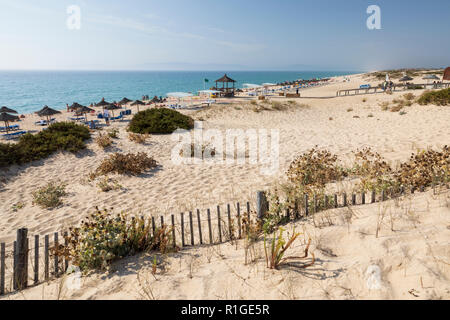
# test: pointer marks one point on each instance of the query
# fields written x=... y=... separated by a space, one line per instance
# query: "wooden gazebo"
x=446 y=74
x=226 y=90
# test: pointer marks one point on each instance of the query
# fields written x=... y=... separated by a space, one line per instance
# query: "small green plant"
x=384 y=106
x=349 y=109
x=18 y=206
x=113 y=133
x=138 y=138
x=107 y=184
x=103 y=140
x=49 y=196
x=103 y=238
x=276 y=250
x=129 y=163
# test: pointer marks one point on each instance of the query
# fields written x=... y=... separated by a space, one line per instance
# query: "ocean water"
x=29 y=91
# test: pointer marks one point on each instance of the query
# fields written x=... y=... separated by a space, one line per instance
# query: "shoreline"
x=168 y=88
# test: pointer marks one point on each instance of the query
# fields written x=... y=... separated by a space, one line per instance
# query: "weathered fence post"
x=306 y=205
x=336 y=204
x=344 y=199
x=21 y=274
x=173 y=231
x=315 y=202
x=46 y=258
x=183 y=244
x=373 y=196
x=36 y=259
x=296 y=209
x=153 y=226
x=66 y=260
x=209 y=226
x=353 y=199
x=199 y=227
x=363 y=198
x=383 y=195
x=248 y=212
x=239 y=220
x=261 y=204
x=219 y=224
x=14 y=265
x=230 y=229
x=2 y=268
x=191 y=226
x=325 y=202
x=56 y=260
x=162 y=222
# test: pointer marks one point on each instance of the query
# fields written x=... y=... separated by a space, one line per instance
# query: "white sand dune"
x=404 y=256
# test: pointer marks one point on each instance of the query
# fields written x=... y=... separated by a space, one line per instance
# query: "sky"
x=292 y=35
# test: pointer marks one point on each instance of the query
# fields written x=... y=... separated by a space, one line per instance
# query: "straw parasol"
x=138 y=103
x=6 y=118
x=103 y=103
x=124 y=101
x=7 y=110
x=46 y=111
x=112 y=107
x=85 y=110
x=75 y=105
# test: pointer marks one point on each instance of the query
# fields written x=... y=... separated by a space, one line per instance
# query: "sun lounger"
x=76 y=118
x=44 y=122
x=13 y=135
x=116 y=118
x=10 y=128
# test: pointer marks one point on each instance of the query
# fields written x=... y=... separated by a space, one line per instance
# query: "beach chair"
x=14 y=135
x=41 y=123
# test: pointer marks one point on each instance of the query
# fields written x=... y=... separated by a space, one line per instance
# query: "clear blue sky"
x=224 y=34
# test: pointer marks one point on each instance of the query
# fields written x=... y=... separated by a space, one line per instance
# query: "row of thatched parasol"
x=6 y=114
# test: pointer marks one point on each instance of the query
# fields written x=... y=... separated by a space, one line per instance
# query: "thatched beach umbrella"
x=138 y=103
x=6 y=118
x=75 y=106
x=112 y=107
x=124 y=101
x=85 y=110
x=103 y=103
x=7 y=110
x=47 y=112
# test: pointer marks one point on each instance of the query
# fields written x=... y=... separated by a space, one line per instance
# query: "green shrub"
x=315 y=169
x=49 y=196
x=129 y=163
x=160 y=120
x=103 y=238
x=60 y=136
x=439 y=98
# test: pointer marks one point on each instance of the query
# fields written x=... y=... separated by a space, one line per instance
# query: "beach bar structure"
x=226 y=89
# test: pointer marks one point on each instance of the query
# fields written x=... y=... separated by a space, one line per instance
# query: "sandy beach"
x=412 y=260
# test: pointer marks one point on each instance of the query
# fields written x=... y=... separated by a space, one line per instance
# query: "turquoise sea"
x=28 y=91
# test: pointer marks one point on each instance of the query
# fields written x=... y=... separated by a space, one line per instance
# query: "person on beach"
x=106 y=116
